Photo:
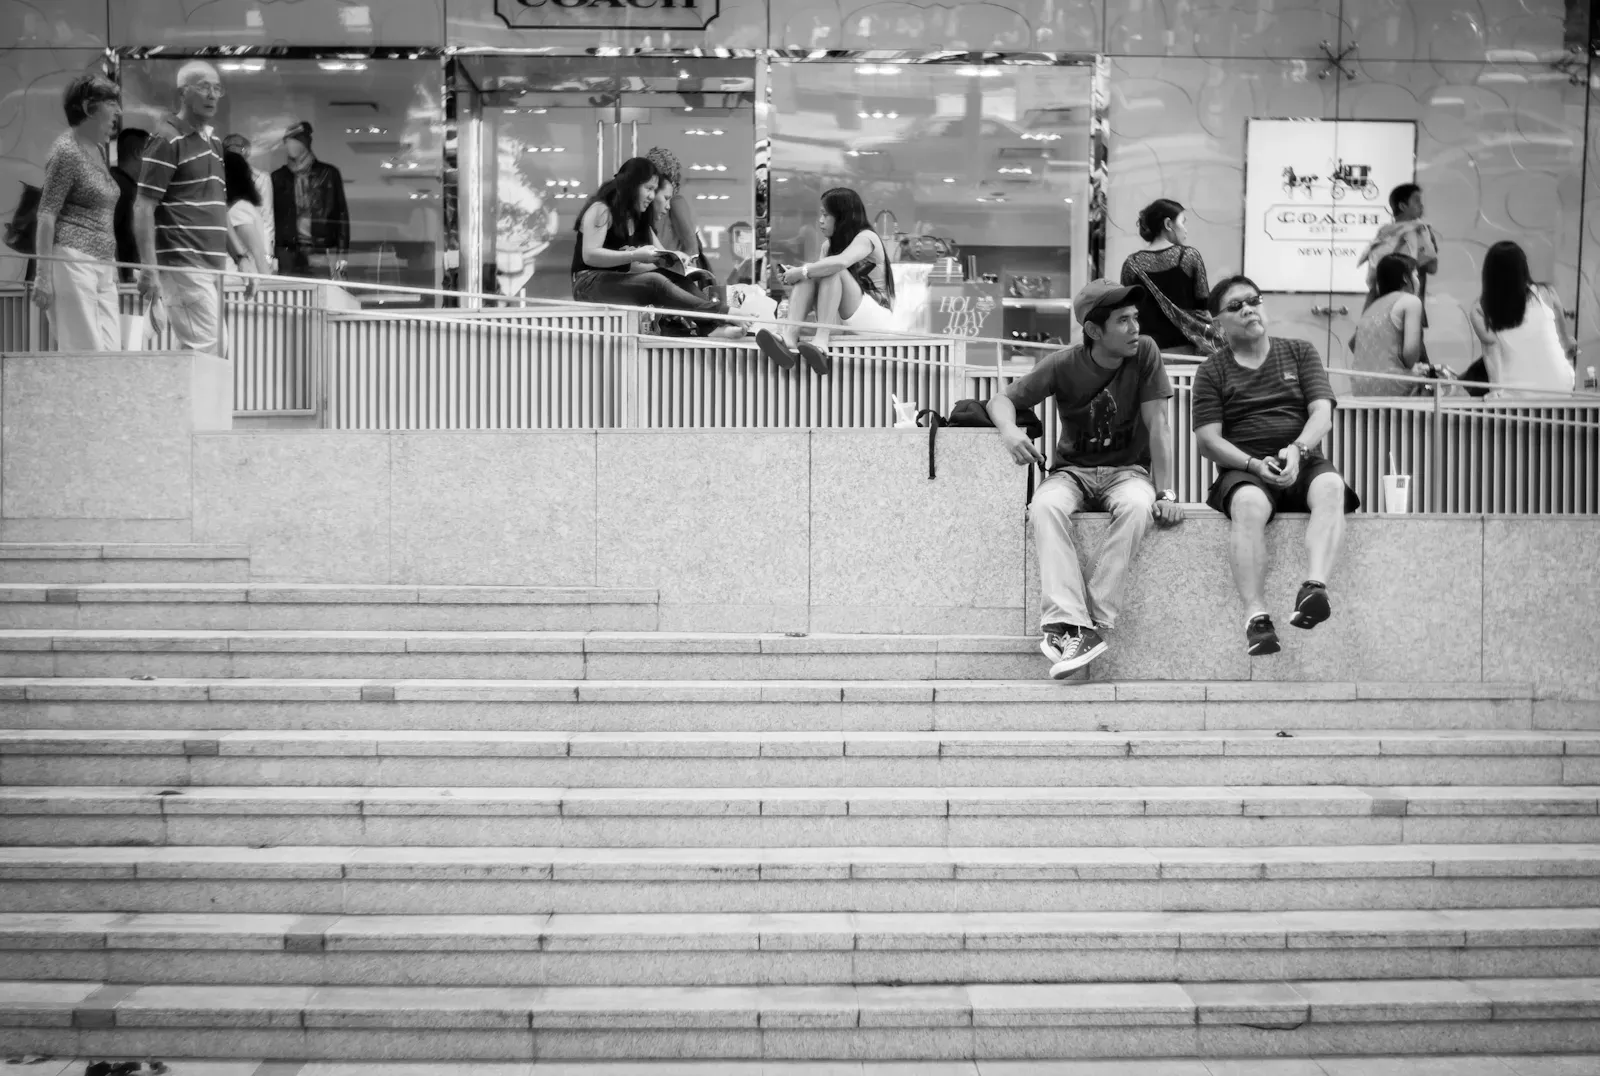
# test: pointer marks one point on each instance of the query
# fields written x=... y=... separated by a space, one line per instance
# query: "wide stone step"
x=801 y=817
x=1280 y=1065
x=97 y=562
x=348 y=880
x=324 y=607
x=182 y=757
x=955 y=1021
x=593 y=705
x=585 y=949
x=646 y=655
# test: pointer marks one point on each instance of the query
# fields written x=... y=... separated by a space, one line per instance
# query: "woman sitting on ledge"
x=851 y=285
x=617 y=258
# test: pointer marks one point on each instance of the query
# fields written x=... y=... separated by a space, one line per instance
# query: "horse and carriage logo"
x=1346 y=178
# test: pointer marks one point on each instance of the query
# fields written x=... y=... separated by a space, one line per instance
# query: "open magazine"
x=676 y=261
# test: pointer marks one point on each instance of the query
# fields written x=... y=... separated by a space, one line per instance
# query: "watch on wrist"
x=1166 y=495
x=1304 y=449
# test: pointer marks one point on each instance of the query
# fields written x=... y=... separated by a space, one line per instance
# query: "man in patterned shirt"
x=181 y=219
x=1262 y=406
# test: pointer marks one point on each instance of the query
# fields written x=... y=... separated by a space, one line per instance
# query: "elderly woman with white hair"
x=181 y=219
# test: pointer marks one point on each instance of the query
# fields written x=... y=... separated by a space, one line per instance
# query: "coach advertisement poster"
x=1316 y=193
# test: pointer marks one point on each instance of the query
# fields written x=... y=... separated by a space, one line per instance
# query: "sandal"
x=819 y=361
x=775 y=349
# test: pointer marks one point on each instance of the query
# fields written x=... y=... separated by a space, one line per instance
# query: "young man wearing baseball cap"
x=1114 y=455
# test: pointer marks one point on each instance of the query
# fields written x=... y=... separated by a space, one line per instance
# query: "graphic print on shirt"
x=1099 y=433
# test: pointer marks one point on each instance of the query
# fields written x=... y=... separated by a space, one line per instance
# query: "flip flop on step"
x=775 y=349
x=819 y=361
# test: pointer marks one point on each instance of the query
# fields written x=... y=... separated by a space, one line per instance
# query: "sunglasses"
x=1239 y=304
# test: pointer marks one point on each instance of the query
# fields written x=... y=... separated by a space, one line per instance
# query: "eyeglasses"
x=208 y=89
x=1239 y=304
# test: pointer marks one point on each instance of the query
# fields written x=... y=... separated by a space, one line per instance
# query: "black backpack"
x=972 y=413
x=20 y=232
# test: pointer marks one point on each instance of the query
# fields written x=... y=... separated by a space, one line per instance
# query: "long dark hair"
x=238 y=180
x=850 y=219
x=1153 y=217
x=1506 y=282
x=620 y=195
x=1393 y=273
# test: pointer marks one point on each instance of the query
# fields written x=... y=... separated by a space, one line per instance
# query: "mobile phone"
x=1274 y=464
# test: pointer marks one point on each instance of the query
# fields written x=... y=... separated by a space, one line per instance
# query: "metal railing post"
x=1436 y=470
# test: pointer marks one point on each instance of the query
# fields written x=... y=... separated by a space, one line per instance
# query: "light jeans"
x=194 y=308
x=84 y=314
x=1125 y=492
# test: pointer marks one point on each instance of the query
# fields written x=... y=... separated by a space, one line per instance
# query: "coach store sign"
x=607 y=14
x=1316 y=193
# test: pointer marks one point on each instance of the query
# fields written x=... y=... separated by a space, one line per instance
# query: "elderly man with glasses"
x=1262 y=406
x=181 y=218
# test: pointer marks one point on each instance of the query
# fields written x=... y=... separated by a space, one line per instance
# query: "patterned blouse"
x=79 y=191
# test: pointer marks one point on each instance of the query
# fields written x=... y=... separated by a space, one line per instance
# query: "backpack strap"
x=934 y=422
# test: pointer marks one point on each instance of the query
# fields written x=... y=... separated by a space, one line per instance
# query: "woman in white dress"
x=1527 y=346
x=244 y=214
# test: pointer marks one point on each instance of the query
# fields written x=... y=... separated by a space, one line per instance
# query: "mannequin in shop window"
x=618 y=258
x=311 y=221
x=851 y=285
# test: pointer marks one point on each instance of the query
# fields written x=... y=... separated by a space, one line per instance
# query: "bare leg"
x=829 y=292
x=1247 y=547
x=1325 y=534
x=801 y=300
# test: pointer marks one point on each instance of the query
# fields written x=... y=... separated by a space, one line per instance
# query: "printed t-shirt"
x=1098 y=408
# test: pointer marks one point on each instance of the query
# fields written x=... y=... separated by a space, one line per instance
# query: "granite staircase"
x=315 y=822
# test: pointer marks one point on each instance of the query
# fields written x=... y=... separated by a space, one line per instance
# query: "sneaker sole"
x=1060 y=669
x=1049 y=651
x=1264 y=647
x=1313 y=610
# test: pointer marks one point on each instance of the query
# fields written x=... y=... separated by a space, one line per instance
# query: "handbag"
x=903 y=247
x=24 y=221
x=136 y=330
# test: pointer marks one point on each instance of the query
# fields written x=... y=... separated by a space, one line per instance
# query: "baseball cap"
x=1103 y=293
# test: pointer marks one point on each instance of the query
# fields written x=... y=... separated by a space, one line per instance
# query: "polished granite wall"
x=1503 y=92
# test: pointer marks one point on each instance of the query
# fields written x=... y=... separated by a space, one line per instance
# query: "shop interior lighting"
x=242 y=65
x=878 y=115
x=981 y=72
x=711 y=197
x=878 y=69
x=545 y=149
x=708 y=168
x=949 y=179
x=701 y=131
x=366 y=130
x=1016 y=171
x=341 y=65
x=1040 y=136
x=562 y=183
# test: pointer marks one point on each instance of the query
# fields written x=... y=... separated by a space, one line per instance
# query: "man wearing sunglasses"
x=1114 y=453
x=1262 y=406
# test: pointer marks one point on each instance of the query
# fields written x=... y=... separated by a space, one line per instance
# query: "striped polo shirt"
x=182 y=172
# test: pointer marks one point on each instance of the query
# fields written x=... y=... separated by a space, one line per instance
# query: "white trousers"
x=194 y=308
x=84 y=313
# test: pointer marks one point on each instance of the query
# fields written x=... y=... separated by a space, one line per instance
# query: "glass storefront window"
x=990 y=159
x=553 y=129
x=379 y=123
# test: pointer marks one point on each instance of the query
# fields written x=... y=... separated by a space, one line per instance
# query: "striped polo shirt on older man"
x=182 y=172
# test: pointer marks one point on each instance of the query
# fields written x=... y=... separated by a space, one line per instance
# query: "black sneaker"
x=1077 y=652
x=776 y=350
x=1054 y=643
x=1260 y=638
x=1310 y=605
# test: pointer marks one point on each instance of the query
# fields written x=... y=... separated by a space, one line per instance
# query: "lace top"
x=1180 y=273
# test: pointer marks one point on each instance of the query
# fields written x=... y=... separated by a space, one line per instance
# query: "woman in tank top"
x=1527 y=347
x=851 y=285
x=1389 y=336
x=614 y=259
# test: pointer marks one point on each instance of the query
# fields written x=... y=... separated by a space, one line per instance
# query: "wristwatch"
x=1305 y=450
x=1166 y=495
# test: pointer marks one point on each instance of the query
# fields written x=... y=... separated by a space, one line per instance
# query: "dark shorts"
x=1290 y=499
